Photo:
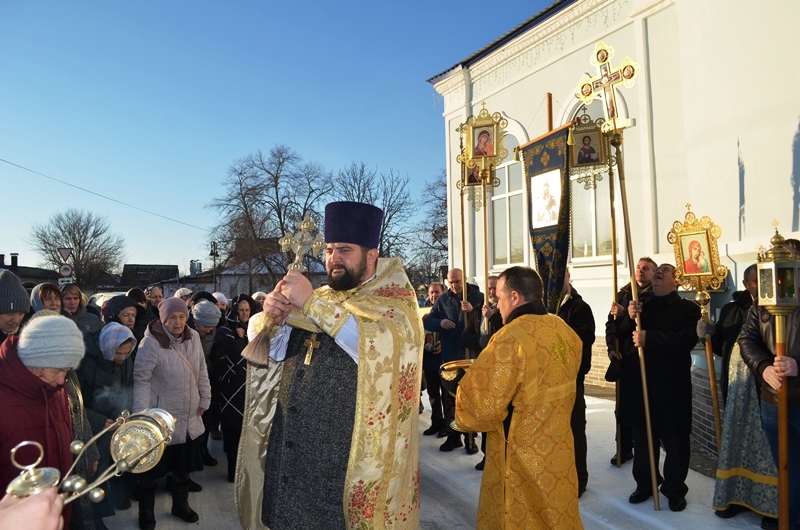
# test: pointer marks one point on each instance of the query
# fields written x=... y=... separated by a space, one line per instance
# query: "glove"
x=705 y=329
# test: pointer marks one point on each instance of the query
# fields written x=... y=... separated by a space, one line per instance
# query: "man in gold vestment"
x=522 y=390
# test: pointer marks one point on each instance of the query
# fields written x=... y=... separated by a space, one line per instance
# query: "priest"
x=330 y=437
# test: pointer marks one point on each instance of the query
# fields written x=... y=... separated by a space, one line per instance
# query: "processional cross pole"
x=604 y=86
x=300 y=243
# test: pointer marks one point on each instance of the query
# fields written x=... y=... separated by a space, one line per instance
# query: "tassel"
x=516 y=154
x=570 y=138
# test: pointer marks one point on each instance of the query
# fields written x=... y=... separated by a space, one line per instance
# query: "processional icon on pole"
x=605 y=86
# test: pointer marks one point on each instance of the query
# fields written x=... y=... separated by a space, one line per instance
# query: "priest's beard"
x=351 y=277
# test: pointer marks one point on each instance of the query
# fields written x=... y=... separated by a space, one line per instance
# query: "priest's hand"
x=639 y=338
x=296 y=288
x=277 y=304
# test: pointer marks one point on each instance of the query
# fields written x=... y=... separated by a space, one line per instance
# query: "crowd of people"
x=68 y=370
x=268 y=373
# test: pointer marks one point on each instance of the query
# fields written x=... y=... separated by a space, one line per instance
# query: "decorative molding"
x=549 y=39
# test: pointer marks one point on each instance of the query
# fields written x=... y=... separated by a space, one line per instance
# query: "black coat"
x=731 y=319
x=578 y=315
x=229 y=371
x=448 y=306
x=670 y=323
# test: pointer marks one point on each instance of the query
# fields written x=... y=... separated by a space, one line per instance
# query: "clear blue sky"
x=150 y=102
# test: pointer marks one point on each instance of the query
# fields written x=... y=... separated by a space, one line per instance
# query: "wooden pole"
x=549 y=111
x=702 y=297
x=616 y=141
x=783 y=430
x=615 y=284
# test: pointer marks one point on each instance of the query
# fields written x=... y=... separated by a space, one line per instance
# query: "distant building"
x=31 y=275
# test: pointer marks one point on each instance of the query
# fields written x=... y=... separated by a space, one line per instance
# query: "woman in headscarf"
x=46 y=296
x=106 y=381
x=230 y=370
x=170 y=373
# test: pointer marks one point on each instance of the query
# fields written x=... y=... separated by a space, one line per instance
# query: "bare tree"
x=431 y=243
x=387 y=191
x=266 y=196
x=96 y=251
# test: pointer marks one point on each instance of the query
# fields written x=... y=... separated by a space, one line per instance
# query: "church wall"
x=716 y=120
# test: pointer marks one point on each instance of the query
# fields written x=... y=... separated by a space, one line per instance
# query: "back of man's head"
x=525 y=281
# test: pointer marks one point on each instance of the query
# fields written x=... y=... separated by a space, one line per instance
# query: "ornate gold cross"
x=604 y=85
x=301 y=242
x=312 y=343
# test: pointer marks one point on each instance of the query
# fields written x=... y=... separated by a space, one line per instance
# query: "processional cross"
x=604 y=85
x=300 y=243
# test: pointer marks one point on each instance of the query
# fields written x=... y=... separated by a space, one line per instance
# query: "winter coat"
x=32 y=410
x=448 y=306
x=578 y=315
x=229 y=370
x=90 y=325
x=161 y=378
x=107 y=388
x=670 y=323
x=757 y=346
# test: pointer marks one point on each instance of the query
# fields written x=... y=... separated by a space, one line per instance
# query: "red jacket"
x=31 y=410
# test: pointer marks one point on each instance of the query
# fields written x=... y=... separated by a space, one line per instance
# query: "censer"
x=450 y=374
x=136 y=446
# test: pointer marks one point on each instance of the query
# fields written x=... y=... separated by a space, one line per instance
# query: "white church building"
x=715 y=125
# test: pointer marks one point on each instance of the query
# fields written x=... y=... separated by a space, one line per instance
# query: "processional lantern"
x=778 y=270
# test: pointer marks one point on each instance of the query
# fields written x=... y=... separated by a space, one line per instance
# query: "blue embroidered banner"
x=546 y=163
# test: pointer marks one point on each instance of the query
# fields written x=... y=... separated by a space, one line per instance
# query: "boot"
x=180 y=502
x=208 y=460
x=231 y=469
x=147 y=501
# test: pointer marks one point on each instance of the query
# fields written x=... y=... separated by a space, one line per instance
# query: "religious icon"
x=484 y=141
x=694 y=253
x=546 y=199
x=602 y=55
x=472 y=176
x=628 y=72
x=588 y=149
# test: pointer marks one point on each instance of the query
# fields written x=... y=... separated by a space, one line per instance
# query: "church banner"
x=546 y=163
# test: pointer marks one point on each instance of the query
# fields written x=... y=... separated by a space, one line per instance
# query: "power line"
x=103 y=196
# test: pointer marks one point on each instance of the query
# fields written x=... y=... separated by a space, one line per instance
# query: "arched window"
x=508 y=219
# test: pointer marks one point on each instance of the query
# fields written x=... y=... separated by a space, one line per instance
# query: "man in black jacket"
x=578 y=315
x=731 y=318
x=667 y=337
x=757 y=346
x=448 y=318
x=617 y=371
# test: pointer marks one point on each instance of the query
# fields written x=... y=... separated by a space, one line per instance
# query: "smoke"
x=112 y=400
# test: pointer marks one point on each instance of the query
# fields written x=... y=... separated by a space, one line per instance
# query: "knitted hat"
x=353 y=222
x=13 y=296
x=205 y=313
x=221 y=298
x=112 y=336
x=167 y=306
x=183 y=291
x=51 y=342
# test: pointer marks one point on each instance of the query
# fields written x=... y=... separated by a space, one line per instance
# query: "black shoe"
x=625 y=458
x=451 y=443
x=180 y=503
x=147 y=500
x=677 y=505
x=581 y=490
x=215 y=434
x=194 y=487
x=769 y=523
x=639 y=496
x=472 y=449
x=206 y=457
x=433 y=429
x=731 y=511
x=480 y=465
x=443 y=433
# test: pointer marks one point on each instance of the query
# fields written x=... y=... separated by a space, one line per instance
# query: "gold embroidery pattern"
x=532 y=363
